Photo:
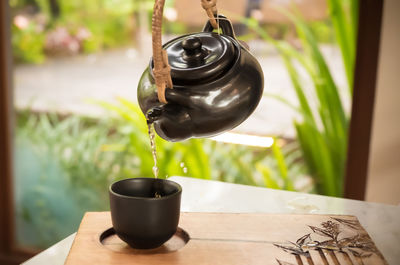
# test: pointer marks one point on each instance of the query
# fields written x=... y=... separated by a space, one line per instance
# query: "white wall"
x=384 y=165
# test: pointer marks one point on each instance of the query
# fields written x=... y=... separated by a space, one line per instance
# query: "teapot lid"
x=201 y=57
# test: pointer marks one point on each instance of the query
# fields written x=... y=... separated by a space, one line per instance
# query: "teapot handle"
x=162 y=70
x=223 y=23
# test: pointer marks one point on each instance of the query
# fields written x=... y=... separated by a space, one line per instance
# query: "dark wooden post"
x=6 y=188
x=10 y=254
x=369 y=29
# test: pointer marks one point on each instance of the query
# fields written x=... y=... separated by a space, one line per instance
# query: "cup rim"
x=177 y=185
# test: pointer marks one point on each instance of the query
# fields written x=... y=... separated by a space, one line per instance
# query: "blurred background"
x=78 y=127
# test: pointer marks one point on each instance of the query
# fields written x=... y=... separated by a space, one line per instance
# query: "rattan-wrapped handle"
x=162 y=70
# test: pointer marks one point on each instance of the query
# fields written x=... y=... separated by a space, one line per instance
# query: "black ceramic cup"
x=138 y=217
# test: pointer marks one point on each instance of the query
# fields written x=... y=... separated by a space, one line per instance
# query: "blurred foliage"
x=322 y=133
x=344 y=17
x=28 y=44
x=59 y=175
x=63 y=166
x=322 y=30
x=56 y=26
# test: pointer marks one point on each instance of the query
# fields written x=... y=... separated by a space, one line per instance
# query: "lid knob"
x=193 y=51
x=191 y=44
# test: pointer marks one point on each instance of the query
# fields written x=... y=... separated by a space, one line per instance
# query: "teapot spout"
x=153 y=114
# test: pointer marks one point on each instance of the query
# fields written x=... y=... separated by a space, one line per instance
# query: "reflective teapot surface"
x=217 y=85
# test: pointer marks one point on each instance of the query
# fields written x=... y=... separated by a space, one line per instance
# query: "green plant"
x=28 y=43
x=322 y=132
x=110 y=23
x=104 y=24
x=60 y=174
x=344 y=17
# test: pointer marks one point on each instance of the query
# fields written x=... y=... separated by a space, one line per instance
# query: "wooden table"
x=381 y=221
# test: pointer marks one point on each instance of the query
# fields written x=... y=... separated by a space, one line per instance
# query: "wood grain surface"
x=223 y=238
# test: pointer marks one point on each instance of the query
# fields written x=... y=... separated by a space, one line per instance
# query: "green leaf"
x=269 y=182
x=280 y=160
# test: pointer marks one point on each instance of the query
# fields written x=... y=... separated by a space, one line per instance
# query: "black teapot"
x=217 y=84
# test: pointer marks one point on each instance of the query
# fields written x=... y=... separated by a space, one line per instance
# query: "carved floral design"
x=359 y=244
